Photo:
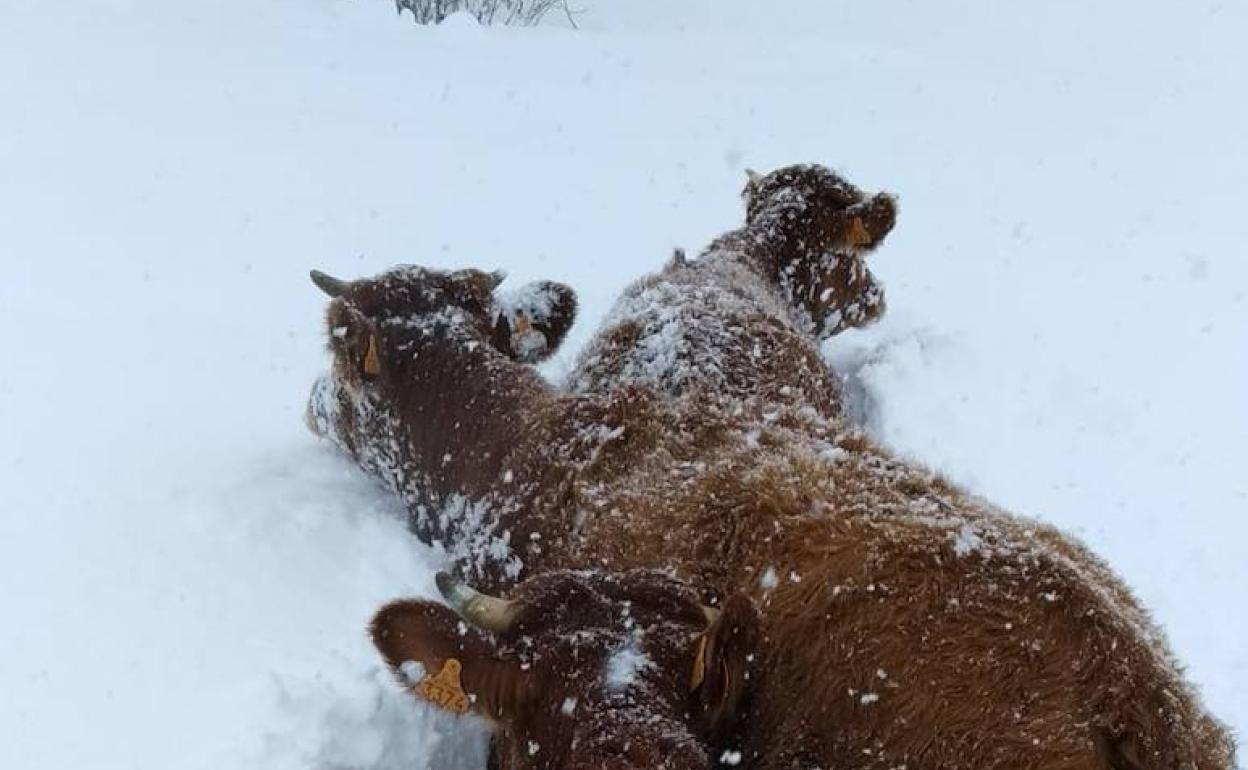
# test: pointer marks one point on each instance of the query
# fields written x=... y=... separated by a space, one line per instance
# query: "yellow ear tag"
x=859 y=235
x=372 y=363
x=445 y=690
x=699 y=665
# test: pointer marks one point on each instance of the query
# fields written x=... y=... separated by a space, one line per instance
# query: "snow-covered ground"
x=185 y=573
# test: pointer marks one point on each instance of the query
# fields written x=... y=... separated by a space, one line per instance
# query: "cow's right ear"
x=720 y=680
x=443 y=660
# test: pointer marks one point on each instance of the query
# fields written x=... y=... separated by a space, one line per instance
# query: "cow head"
x=581 y=670
x=832 y=227
x=369 y=317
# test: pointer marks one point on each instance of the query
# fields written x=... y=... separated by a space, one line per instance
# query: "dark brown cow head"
x=581 y=670
x=833 y=226
x=527 y=325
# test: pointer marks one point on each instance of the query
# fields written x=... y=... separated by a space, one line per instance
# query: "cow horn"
x=481 y=610
x=753 y=176
x=698 y=674
x=332 y=286
x=496 y=278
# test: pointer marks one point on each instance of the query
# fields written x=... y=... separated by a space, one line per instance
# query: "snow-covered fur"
x=874 y=616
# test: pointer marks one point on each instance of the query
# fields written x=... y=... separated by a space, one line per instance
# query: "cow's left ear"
x=722 y=668
x=442 y=660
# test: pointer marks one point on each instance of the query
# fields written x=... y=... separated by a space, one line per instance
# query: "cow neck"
x=457 y=403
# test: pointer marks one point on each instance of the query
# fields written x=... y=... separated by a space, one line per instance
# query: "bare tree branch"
x=523 y=12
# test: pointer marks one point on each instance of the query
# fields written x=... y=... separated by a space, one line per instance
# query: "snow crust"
x=625 y=665
x=186 y=574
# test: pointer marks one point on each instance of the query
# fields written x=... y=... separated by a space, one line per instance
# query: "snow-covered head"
x=368 y=319
x=582 y=670
x=823 y=228
x=836 y=213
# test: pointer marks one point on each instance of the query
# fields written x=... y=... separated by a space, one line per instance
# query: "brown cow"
x=706 y=565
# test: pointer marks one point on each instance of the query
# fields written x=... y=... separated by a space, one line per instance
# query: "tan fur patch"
x=445 y=689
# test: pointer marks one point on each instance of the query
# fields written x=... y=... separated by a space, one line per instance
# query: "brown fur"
x=900 y=621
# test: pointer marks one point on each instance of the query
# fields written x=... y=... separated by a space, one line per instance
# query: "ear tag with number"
x=444 y=689
x=859 y=235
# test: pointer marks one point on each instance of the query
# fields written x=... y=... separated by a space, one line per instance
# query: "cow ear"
x=355 y=342
x=442 y=660
x=534 y=320
x=722 y=668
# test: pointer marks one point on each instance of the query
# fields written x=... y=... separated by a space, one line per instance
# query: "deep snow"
x=185 y=573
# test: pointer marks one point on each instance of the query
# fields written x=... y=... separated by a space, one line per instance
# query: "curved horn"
x=496 y=278
x=481 y=610
x=327 y=283
x=753 y=176
x=698 y=674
